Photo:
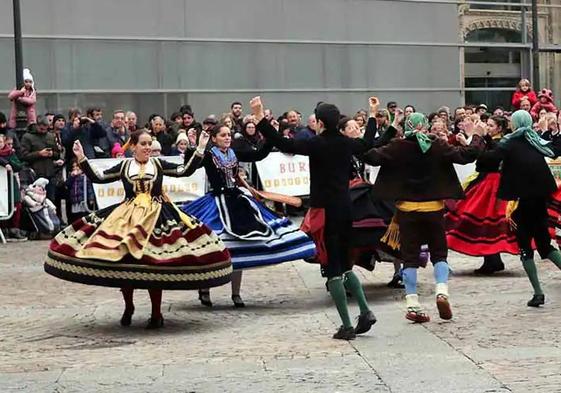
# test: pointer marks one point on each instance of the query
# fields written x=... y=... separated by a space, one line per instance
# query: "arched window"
x=492 y=66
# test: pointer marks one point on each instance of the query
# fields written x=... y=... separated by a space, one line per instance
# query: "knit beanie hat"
x=41 y=182
x=58 y=117
x=329 y=114
x=181 y=137
x=547 y=94
x=27 y=75
x=117 y=149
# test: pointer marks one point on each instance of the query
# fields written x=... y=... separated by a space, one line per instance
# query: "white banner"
x=463 y=171
x=4 y=192
x=179 y=189
x=285 y=174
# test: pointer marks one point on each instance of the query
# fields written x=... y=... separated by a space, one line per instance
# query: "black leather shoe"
x=536 y=301
x=396 y=282
x=238 y=302
x=126 y=319
x=365 y=322
x=155 y=323
x=204 y=297
x=345 y=333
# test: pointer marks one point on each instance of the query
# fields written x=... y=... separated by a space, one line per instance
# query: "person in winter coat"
x=10 y=161
x=4 y=130
x=523 y=91
x=27 y=96
x=40 y=150
x=545 y=102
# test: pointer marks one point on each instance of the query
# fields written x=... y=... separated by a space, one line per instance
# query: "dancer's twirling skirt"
x=140 y=244
x=371 y=218
x=479 y=225
x=254 y=235
x=554 y=210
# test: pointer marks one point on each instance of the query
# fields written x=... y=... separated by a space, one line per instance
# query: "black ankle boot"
x=396 y=282
x=204 y=297
x=238 y=302
x=491 y=265
x=536 y=301
x=155 y=322
x=126 y=319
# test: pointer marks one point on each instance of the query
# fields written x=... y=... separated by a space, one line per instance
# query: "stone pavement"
x=63 y=337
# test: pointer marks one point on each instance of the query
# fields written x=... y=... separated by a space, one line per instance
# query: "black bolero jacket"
x=525 y=173
x=408 y=174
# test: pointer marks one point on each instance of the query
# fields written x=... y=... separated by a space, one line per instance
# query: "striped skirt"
x=254 y=235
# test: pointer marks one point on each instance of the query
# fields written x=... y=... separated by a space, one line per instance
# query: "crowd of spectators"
x=44 y=149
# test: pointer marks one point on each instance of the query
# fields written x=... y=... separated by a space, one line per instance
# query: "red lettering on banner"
x=303 y=167
x=282 y=168
x=291 y=167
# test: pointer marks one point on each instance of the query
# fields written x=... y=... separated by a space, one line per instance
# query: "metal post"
x=21 y=118
x=535 y=47
x=525 y=70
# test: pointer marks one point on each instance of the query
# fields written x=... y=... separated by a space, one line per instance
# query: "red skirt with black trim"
x=554 y=210
x=479 y=226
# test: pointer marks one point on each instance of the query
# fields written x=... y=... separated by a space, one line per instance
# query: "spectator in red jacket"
x=545 y=102
x=523 y=91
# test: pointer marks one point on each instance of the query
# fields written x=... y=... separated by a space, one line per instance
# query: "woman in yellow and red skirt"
x=144 y=242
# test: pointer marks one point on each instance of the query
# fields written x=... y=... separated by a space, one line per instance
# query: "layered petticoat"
x=254 y=235
x=141 y=243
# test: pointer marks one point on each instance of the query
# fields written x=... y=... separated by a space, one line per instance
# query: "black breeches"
x=416 y=229
x=337 y=238
x=531 y=220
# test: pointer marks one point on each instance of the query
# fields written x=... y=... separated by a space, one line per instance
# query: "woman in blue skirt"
x=254 y=235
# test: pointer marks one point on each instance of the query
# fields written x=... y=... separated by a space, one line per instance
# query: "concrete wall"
x=152 y=56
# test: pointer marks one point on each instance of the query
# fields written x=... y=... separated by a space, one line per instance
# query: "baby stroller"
x=39 y=214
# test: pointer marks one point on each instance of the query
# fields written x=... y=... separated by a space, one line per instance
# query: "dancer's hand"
x=469 y=126
x=257 y=108
x=460 y=137
x=192 y=136
x=203 y=140
x=78 y=150
x=374 y=104
x=480 y=128
x=398 y=117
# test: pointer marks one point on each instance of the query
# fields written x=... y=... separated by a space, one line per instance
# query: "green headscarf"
x=522 y=125
x=413 y=121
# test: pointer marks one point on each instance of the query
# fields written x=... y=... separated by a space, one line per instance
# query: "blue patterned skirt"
x=254 y=235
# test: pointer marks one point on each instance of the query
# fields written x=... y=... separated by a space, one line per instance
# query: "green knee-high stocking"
x=337 y=292
x=532 y=272
x=352 y=283
x=555 y=257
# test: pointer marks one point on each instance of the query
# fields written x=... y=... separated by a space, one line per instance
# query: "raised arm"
x=254 y=155
x=187 y=168
x=268 y=131
x=108 y=176
x=465 y=154
x=193 y=160
x=285 y=145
